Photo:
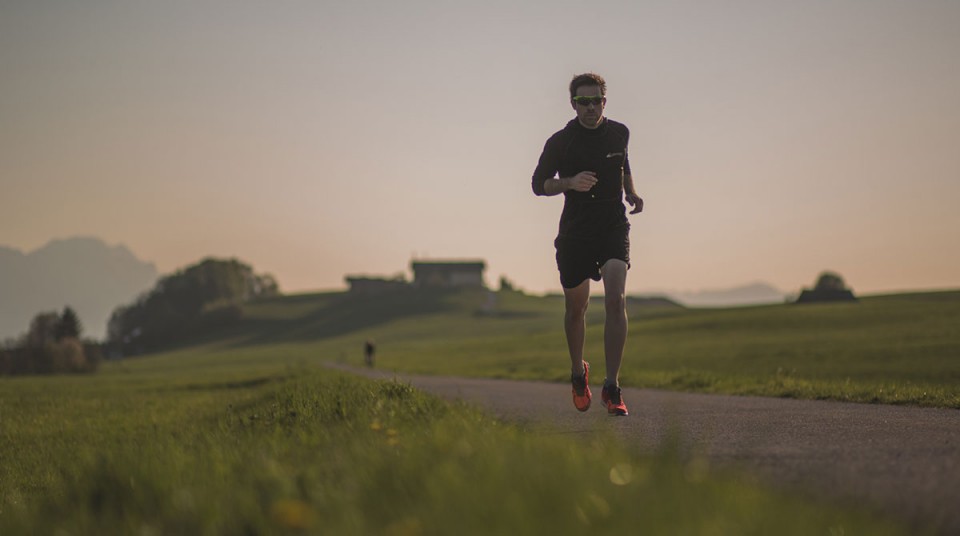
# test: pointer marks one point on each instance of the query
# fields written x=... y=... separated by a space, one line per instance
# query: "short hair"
x=588 y=79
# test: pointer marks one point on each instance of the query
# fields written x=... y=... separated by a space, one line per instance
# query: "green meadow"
x=243 y=432
x=151 y=449
x=897 y=349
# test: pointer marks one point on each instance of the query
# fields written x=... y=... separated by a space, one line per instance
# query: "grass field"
x=898 y=349
x=150 y=448
x=243 y=433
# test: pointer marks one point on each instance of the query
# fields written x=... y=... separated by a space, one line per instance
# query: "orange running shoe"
x=581 y=388
x=610 y=395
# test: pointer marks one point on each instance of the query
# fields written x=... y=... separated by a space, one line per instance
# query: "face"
x=589 y=113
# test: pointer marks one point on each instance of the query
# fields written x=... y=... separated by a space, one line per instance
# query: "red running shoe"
x=581 y=388
x=610 y=395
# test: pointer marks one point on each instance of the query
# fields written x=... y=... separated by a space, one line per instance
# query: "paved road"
x=904 y=461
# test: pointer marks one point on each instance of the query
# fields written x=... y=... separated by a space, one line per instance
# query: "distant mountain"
x=85 y=273
x=752 y=294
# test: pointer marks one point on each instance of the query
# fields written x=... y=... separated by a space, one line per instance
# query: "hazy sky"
x=770 y=140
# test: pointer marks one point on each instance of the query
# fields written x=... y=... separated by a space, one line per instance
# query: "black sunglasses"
x=584 y=101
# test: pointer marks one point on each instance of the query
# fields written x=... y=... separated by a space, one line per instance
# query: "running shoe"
x=581 y=388
x=610 y=395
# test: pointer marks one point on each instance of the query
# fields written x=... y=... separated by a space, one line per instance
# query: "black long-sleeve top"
x=602 y=150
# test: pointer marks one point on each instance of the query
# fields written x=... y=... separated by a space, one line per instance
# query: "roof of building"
x=391 y=279
x=473 y=264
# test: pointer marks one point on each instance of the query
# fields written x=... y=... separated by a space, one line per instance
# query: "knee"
x=615 y=302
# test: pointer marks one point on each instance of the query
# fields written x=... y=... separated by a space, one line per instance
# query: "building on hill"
x=375 y=285
x=448 y=274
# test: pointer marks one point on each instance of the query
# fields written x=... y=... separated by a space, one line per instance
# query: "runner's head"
x=588 y=97
x=588 y=79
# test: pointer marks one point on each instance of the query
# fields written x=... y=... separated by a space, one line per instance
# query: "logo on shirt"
x=614 y=155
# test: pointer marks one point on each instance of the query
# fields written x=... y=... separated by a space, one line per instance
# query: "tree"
x=265 y=286
x=70 y=356
x=51 y=346
x=43 y=330
x=196 y=299
x=830 y=282
x=69 y=326
x=830 y=287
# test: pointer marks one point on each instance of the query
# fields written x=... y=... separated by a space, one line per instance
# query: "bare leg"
x=575 y=323
x=614 y=273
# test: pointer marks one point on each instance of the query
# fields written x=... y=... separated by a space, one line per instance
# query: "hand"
x=583 y=181
x=635 y=201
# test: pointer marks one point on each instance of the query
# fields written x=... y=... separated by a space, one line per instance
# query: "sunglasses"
x=584 y=101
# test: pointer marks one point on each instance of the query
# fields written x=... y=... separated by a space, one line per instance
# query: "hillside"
x=893 y=349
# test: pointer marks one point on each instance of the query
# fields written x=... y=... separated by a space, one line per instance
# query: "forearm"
x=628 y=186
x=556 y=186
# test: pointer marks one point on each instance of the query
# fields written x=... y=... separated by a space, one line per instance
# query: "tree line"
x=190 y=302
x=51 y=346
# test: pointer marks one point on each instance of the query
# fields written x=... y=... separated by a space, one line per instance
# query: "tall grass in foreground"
x=317 y=452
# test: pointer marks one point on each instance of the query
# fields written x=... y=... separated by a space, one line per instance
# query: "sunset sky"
x=312 y=139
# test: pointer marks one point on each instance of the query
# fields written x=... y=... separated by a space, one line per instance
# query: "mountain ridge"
x=755 y=293
x=82 y=272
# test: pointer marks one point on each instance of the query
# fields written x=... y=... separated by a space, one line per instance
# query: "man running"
x=587 y=162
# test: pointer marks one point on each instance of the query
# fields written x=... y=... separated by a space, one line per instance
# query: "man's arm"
x=629 y=190
x=545 y=180
x=630 y=193
x=581 y=182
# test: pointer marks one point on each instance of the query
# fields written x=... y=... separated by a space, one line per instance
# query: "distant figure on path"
x=369 y=349
x=587 y=162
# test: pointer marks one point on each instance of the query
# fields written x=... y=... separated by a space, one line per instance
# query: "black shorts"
x=581 y=258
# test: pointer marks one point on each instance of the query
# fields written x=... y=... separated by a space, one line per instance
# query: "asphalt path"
x=902 y=461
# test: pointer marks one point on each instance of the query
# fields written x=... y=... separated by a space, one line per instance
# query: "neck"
x=591 y=127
